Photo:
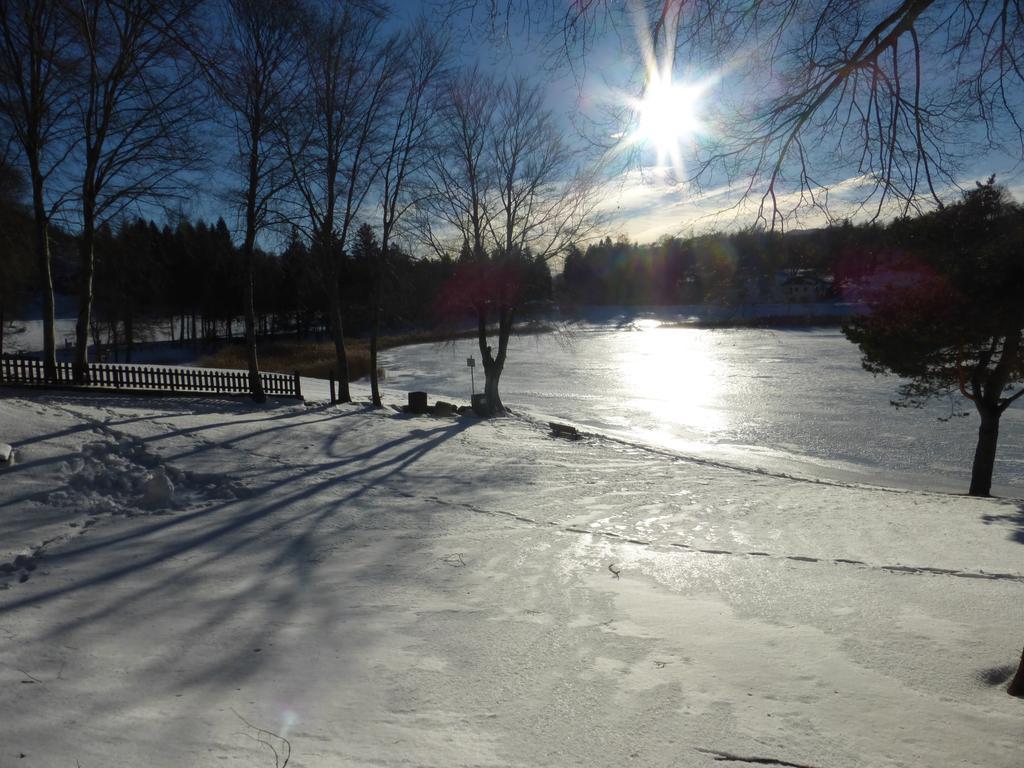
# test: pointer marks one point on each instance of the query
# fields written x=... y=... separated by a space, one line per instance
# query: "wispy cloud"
x=643 y=206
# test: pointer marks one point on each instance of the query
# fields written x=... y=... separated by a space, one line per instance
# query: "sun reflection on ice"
x=678 y=377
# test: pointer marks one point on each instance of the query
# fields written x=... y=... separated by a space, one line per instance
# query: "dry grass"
x=309 y=358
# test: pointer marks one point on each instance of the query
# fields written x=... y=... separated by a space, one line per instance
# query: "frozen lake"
x=789 y=401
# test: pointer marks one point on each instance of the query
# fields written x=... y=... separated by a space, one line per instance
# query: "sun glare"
x=667 y=116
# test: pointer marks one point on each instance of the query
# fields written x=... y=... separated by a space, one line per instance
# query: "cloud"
x=643 y=206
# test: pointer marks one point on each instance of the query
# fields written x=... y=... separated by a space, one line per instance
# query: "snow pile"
x=123 y=477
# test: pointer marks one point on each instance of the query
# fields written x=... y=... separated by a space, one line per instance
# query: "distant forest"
x=720 y=268
x=189 y=277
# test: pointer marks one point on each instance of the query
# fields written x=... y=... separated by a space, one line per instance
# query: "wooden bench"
x=564 y=430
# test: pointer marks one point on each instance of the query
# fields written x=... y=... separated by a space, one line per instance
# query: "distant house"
x=803 y=286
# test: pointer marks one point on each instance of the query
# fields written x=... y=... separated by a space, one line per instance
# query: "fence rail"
x=28 y=371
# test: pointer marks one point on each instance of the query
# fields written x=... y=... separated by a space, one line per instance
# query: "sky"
x=642 y=200
x=640 y=197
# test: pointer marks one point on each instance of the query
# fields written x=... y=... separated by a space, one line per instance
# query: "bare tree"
x=407 y=131
x=507 y=190
x=34 y=84
x=254 y=73
x=543 y=200
x=347 y=75
x=133 y=111
x=461 y=177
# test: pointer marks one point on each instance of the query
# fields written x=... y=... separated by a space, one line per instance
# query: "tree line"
x=714 y=268
x=190 y=279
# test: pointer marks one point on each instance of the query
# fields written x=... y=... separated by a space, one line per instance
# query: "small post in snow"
x=333 y=398
x=471 y=364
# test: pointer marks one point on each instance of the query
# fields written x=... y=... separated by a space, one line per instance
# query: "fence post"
x=333 y=400
x=298 y=386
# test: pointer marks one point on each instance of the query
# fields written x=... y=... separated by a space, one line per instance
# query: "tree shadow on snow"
x=1013 y=520
x=299 y=540
x=383 y=461
x=271 y=423
x=994 y=676
x=165 y=408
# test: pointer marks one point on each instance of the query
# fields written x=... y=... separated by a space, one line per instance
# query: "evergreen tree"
x=949 y=314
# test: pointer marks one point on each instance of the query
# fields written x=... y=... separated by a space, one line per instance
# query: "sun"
x=668 y=113
x=668 y=117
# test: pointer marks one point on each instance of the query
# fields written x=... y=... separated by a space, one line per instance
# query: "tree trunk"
x=97 y=340
x=985 y=452
x=255 y=383
x=492 y=375
x=493 y=364
x=87 y=264
x=378 y=292
x=338 y=334
x=41 y=245
x=129 y=336
x=113 y=341
x=1016 y=687
x=374 y=331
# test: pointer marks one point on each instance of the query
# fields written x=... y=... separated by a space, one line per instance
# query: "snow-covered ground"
x=383 y=589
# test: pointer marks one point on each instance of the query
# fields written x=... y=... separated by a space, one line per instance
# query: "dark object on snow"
x=418 y=402
x=442 y=408
x=564 y=430
x=6 y=453
x=1016 y=687
x=480 y=405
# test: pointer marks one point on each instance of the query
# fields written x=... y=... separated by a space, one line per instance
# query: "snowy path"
x=390 y=590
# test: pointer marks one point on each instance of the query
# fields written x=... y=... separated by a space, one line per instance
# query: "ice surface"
x=792 y=401
x=382 y=589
